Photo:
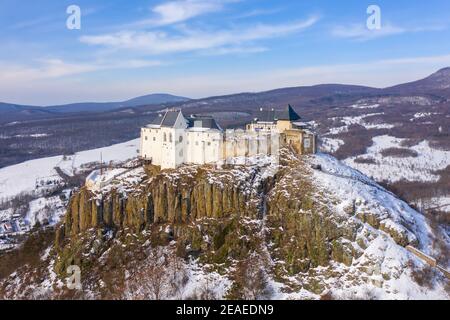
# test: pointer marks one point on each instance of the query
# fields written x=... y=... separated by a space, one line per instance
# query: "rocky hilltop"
x=304 y=228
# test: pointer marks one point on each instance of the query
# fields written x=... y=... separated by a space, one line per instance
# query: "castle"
x=172 y=139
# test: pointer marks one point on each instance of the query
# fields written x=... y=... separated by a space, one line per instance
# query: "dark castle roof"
x=169 y=119
x=267 y=115
x=166 y=120
x=195 y=121
x=287 y=114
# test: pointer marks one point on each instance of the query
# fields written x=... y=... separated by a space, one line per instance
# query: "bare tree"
x=161 y=276
x=250 y=279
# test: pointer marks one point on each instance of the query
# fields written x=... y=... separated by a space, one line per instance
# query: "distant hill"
x=437 y=84
x=151 y=99
x=309 y=96
x=14 y=112
x=433 y=89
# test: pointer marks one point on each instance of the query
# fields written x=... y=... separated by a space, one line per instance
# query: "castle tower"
x=286 y=118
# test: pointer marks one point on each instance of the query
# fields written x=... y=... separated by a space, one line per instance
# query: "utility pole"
x=101 y=163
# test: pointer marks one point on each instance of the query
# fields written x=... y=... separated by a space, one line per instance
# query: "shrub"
x=363 y=160
x=399 y=153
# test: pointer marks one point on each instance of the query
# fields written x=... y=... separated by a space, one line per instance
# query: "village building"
x=172 y=139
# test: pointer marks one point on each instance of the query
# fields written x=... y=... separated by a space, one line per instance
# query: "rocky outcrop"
x=169 y=197
x=207 y=210
x=303 y=231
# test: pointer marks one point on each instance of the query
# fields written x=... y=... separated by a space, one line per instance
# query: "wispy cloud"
x=159 y=42
x=233 y=50
x=259 y=12
x=360 y=32
x=181 y=10
x=57 y=68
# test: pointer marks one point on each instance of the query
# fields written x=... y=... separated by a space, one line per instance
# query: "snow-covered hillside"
x=349 y=211
x=400 y=142
x=42 y=188
x=411 y=168
x=22 y=178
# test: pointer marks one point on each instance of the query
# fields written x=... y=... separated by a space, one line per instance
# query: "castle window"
x=170 y=137
x=154 y=138
x=180 y=139
x=146 y=138
x=165 y=137
x=307 y=143
x=209 y=143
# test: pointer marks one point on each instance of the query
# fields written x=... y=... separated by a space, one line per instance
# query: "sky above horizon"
x=200 y=48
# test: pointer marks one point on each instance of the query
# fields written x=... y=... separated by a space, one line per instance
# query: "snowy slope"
x=21 y=178
x=352 y=188
x=388 y=266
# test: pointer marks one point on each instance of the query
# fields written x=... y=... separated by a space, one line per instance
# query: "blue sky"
x=199 y=48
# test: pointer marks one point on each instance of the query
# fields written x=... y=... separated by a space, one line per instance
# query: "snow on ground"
x=421 y=115
x=6 y=214
x=360 y=120
x=21 y=178
x=442 y=202
x=47 y=210
x=438 y=203
x=355 y=189
x=365 y=106
x=388 y=269
x=394 y=169
x=199 y=280
x=123 y=180
x=331 y=145
x=387 y=265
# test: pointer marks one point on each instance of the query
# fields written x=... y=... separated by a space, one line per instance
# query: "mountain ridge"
x=150 y=99
x=437 y=84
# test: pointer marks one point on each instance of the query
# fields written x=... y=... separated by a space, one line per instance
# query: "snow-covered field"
x=35 y=176
x=393 y=169
x=21 y=178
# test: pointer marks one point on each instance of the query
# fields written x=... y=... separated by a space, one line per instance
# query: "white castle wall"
x=169 y=147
